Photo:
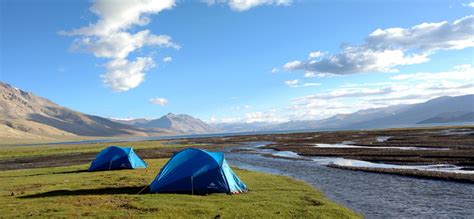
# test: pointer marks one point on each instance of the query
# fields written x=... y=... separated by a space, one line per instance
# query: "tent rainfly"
x=115 y=158
x=196 y=171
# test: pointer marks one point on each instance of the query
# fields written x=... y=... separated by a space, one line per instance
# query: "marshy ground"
x=409 y=146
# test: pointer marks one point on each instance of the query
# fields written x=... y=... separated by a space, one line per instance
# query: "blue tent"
x=197 y=171
x=114 y=158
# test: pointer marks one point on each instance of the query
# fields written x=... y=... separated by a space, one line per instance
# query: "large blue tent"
x=196 y=171
x=114 y=158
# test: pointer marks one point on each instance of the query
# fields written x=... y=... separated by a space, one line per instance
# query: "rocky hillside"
x=23 y=114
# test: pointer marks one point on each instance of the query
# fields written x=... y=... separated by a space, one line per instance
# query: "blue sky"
x=226 y=61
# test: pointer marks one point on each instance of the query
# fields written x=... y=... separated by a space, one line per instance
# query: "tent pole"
x=142 y=190
x=192 y=186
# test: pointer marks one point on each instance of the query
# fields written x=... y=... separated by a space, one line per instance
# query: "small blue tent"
x=197 y=171
x=114 y=158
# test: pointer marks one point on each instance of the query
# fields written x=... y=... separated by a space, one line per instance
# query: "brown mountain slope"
x=23 y=113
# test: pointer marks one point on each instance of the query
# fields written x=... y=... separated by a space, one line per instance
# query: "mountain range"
x=24 y=115
x=458 y=109
x=180 y=124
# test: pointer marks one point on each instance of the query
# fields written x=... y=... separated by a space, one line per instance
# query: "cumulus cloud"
x=243 y=5
x=167 y=59
x=385 y=49
x=275 y=70
x=118 y=15
x=123 y=74
x=111 y=37
x=159 y=101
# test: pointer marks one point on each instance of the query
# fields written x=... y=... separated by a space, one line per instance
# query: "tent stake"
x=192 y=186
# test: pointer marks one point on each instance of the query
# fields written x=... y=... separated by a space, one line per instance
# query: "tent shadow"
x=74 y=171
x=42 y=174
x=130 y=190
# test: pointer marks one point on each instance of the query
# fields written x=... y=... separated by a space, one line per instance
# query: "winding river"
x=373 y=195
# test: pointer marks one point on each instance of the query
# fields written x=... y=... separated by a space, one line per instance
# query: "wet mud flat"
x=421 y=146
x=458 y=177
x=411 y=147
x=436 y=145
x=57 y=160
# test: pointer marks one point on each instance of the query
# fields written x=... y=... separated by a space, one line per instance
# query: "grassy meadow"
x=8 y=151
x=70 y=191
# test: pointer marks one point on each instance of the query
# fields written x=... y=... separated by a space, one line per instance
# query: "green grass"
x=57 y=149
x=68 y=192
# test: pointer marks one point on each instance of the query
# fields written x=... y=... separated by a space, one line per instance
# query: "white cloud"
x=110 y=37
x=470 y=4
x=316 y=74
x=310 y=84
x=302 y=109
x=159 y=101
x=385 y=49
x=123 y=75
x=209 y=2
x=267 y=116
x=296 y=83
x=243 y=5
x=293 y=65
x=399 y=89
x=348 y=92
x=241 y=107
x=271 y=116
x=167 y=59
x=316 y=54
x=119 y=15
x=461 y=72
x=292 y=83
x=120 y=44
x=275 y=70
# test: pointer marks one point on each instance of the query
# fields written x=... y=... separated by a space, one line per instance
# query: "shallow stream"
x=374 y=195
